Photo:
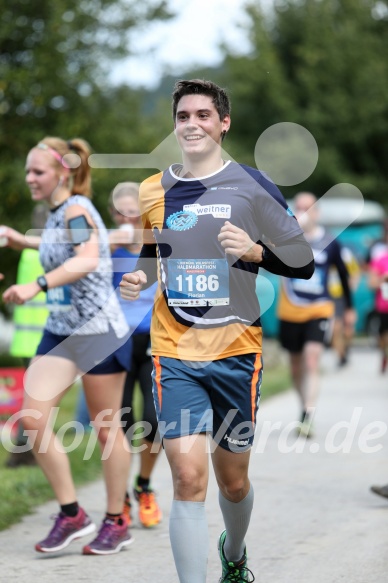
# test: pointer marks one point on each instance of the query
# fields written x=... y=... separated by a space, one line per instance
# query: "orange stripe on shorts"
x=255 y=378
x=158 y=377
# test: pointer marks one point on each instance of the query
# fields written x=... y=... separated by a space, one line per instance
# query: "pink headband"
x=57 y=156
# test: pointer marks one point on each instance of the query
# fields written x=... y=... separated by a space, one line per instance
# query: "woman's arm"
x=18 y=241
x=85 y=261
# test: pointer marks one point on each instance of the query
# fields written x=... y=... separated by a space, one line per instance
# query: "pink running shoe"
x=65 y=530
x=111 y=538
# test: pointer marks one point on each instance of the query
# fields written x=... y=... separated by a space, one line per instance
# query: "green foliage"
x=321 y=64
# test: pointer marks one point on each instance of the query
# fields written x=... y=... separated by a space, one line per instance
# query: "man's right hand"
x=131 y=285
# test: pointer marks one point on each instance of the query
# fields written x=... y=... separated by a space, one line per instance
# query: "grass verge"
x=275 y=380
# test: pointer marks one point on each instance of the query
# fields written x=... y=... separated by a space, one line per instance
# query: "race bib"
x=59 y=299
x=198 y=282
x=314 y=286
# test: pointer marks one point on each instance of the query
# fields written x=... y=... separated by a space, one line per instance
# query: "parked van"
x=356 y=227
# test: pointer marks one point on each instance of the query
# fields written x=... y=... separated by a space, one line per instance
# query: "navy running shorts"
x=97 y=354
x=219 y=397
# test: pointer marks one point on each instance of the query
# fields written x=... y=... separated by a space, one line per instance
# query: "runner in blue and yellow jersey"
x=306 y=308
x=210 y=223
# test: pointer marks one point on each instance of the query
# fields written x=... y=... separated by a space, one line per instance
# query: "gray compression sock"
x=189 y=540
x=236 y=518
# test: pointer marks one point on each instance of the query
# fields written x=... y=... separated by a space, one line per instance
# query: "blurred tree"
x=321 y=64
x=55 y=59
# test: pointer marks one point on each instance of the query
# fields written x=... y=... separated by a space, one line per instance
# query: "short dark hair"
x=201 y=87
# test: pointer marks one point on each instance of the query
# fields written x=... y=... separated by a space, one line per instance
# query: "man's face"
x=198 y=127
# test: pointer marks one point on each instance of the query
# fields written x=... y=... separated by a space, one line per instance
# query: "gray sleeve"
x=280 y=231
x=275 y=220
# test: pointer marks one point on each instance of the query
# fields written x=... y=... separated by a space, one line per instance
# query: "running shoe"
x=380 y=490
x=111 y=538
x=343 y=361
x=65 y=530
x=150 y=513
x=233 y=572
x=127 y=510
x=305 y=427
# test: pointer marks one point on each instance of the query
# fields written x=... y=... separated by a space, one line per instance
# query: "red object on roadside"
x=11 y=394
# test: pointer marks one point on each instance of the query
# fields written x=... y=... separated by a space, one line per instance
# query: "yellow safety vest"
x=30 y=318
x=335 y=286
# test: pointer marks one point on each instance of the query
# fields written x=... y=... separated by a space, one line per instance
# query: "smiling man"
x=210 y=223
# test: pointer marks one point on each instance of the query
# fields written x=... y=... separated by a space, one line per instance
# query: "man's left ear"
x=226 y=125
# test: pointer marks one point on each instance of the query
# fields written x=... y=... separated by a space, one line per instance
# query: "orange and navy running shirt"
x=206 y=307
x=303 y=300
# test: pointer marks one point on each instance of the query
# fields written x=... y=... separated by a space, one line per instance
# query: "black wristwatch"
x=42 y=283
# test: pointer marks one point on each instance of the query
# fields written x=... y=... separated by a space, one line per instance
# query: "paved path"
x=314 y=520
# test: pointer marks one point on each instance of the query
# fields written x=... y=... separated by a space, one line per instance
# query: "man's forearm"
x=294 y=259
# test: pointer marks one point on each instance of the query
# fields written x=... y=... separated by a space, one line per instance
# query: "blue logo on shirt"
x=182 y=221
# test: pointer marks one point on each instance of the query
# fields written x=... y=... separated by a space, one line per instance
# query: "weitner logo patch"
x=219 y=211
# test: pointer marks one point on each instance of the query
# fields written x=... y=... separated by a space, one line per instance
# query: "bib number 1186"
x=199 y=283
